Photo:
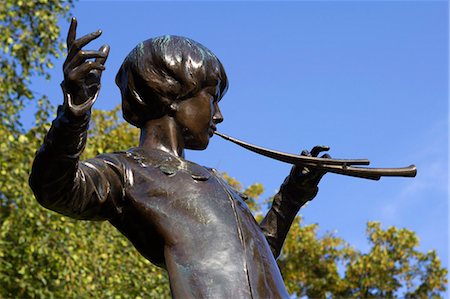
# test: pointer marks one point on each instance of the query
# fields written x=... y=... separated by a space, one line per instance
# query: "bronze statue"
x=179 y=215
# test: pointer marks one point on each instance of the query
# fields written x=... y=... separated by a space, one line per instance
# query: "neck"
x=162 y=134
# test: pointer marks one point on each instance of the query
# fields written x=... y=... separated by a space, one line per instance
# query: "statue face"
x=197 y=118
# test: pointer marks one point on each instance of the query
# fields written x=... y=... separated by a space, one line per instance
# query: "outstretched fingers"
x=320 y=173
x=318 y=149
x=78 y=44
x=306 y=153
x=93 y=77
x=72 y=33
x=86 y=39
x=83 y=55
x=82 y=70
x=105 y=50
x=316 y=174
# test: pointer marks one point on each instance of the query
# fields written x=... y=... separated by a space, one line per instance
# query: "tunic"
x=179 y=215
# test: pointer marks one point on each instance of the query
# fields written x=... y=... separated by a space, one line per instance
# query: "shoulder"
x=138 y=159
x=168 y=164
x=114 y=160
x=128 y=157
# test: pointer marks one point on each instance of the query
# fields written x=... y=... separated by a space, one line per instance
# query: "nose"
x=217 y=117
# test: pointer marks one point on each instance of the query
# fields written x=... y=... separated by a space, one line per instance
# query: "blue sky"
x=369 y=79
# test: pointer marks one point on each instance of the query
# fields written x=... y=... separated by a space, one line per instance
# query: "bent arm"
x=299 y=187
x=83 y=190
x=285 y=206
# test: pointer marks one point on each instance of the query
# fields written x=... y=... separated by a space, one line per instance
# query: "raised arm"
x=83 y=190
x=299 y=187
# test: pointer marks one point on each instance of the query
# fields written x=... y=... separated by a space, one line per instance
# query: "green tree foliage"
x=393 y=264
x=46 y=255
x=393 y=267
x=29 y=40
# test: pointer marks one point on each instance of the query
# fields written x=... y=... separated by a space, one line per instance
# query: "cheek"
x=185 y=112
x=200 y=113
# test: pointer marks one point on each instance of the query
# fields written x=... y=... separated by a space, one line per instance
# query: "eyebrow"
x=213 y=90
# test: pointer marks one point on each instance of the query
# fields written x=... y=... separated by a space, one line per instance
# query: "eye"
x=211 y=94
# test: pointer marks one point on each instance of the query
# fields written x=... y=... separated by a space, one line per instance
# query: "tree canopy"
x=28 y=43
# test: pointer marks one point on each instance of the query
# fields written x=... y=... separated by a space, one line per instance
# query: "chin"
x=199 y=145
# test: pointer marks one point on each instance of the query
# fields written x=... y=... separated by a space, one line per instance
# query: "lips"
x=211 y=130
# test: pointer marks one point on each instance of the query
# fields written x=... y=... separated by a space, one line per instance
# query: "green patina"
x=165 y=40
x=141 y=47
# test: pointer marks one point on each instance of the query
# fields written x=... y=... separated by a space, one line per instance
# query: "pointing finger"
x=72 y=33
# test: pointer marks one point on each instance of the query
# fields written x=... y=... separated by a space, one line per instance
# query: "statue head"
x=163 y=71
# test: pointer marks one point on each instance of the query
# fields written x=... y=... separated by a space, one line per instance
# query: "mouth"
x=211 y=130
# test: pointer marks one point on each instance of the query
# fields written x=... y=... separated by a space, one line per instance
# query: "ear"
x=133 y=107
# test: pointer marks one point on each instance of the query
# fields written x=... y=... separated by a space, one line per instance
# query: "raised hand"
x=82 y=70
x=307 y=178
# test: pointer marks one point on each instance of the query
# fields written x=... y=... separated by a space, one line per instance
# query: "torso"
x=185 y=218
